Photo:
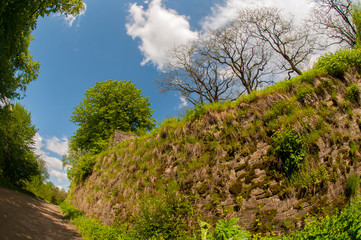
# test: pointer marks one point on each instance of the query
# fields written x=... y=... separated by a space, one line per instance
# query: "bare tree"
x=198 y=78
x=294 y=44
x=246 y=56
x=334 y=19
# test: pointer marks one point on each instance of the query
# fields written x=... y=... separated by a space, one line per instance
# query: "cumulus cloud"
x=56 y=145
x=159 y=30
x=222 y=14
x=52 y=163
x=60 y=176
x=44 y=148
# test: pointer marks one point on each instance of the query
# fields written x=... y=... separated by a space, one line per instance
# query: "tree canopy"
x=18 y=163
x=17 y=20
x=108 y=106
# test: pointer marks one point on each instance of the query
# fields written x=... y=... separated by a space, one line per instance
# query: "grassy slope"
x=221 y=160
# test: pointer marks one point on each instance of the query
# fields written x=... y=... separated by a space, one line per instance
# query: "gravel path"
x=26 y=217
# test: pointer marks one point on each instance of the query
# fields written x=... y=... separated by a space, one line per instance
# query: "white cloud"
x=43 y=147
x=223 y=14
x=159 y=30
x=52 y=163
x=184 y=103
x=56 y=145
x=60 y=176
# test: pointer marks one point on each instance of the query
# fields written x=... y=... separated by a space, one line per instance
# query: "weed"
x=288 y=148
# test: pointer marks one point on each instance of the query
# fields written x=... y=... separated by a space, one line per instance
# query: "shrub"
x=353 y=93
x=82 y=168
x=336 y=64
x=288 y=148
x=164 y=217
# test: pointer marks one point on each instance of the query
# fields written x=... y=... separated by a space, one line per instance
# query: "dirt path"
x=26 y=217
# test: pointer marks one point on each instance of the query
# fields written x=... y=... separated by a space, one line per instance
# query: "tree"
x=17 y=20
x=108 y=106
x=338 y=20
x=18 y=163
x=198 y=78
x=294 y=44
x=247 y=57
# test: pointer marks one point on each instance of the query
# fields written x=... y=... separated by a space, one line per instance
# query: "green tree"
x=108 y=106
x=17 y=20
x=18 y=163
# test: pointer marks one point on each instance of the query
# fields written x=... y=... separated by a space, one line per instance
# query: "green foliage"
x=109 y=106
x=46 y=191
x=288 y=148
x=336 y=64
x=345 y=225
x=163 y=216
x=81 y=165
x=18 y=163
x=224 y=230
x=304 y=93
x=90 y=229
x=309 y=76
x=227 y=230
x=356 y=19
x=193 y=114
x=352 y=185
x=17 y=20
x=353 y=93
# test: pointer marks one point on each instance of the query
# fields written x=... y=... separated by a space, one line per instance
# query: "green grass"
x=90 y=229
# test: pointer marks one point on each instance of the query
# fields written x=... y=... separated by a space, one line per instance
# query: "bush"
x=288 y=148
x=163 y=217
x=353 y=93
x=336 y=64
x=81 y=168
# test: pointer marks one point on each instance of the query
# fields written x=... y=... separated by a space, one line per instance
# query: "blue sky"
x=119 y=40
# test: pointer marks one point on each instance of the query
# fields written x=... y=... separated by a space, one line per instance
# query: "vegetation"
x=220 y=160
x=17 y=21
x=344 y=225
x=109 y=106
x=20 y=168
x=278 y=124
x=46 y=190
x=17 y=161
x=289 y=149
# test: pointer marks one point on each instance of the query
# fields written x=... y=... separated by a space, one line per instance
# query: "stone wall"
x=119 y=137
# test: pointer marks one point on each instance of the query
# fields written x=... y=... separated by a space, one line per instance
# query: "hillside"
x=270 y=158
